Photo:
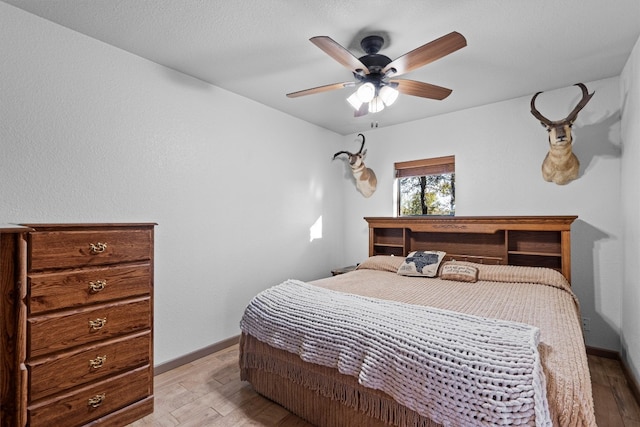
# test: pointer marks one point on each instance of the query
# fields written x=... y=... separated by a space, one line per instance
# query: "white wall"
x=630 y=89
x=499 y=149
x=90 y=133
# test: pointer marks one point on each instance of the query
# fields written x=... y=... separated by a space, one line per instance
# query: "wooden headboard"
x=540 y=241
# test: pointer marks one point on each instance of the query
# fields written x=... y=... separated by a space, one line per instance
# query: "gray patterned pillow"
x=421 y=263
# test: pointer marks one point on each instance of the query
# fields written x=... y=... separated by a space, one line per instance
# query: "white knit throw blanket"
x=456 y=369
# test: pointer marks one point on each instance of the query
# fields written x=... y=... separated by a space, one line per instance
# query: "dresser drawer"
x=59 y=331
x=68 y=249
x=92 y=402
x=48 y=376
x=54 y=291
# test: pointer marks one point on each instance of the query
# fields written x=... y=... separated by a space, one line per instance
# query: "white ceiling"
x=260 y=49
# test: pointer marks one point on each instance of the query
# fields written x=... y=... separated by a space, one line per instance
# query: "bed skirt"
x=318 y=394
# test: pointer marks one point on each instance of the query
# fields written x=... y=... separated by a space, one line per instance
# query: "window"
x=426 y=187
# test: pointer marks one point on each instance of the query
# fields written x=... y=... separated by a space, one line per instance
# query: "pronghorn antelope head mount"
x=366 y=180
x=560 y=164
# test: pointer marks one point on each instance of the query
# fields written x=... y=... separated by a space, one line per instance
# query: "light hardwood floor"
x=612 y=397
x=208 y=392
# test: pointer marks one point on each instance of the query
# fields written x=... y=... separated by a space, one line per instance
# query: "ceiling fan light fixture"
x=354 y=100
x=366 y=92
x=376 y=105
x=388 y=95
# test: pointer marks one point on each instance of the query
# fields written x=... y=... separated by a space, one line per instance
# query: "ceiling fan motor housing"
x=374 y=61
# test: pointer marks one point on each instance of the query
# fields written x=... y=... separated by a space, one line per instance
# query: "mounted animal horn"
x=586 y=97
x=366 y=180
x=560 y=164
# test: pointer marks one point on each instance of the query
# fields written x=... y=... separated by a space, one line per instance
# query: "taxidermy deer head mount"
x=561 y=165
x=366 y=180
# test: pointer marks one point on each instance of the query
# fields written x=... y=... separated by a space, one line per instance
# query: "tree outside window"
x=426 y=187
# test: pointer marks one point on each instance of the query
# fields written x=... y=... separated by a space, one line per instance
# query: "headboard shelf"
x=474 y=258
x=518 y=240
x=551 y=254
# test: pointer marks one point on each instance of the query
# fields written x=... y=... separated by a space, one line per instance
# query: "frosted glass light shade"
x=355 y=101
x=366 y=92
x=388 y=95
x=376 y=105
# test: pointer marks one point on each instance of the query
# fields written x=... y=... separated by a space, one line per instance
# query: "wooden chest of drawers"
x=76 y=332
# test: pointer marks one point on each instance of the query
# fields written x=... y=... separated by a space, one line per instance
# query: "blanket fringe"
x=257 y=357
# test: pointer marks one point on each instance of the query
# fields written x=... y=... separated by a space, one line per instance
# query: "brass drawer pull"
x=97 y=324
x=97 y=286
x=96 y=400
x=98 y=248
x=98 y=362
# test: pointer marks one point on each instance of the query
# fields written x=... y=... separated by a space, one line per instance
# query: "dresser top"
x=103 y=225
x=14 y=228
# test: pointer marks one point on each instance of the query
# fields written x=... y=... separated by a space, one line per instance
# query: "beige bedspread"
x=518 y=294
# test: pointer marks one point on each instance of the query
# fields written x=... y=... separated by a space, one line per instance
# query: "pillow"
x=519 y=274
x=452 y=270
x=381 y=263
x=421 y=263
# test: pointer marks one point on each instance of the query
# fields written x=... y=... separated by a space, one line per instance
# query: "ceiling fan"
x=375 y=73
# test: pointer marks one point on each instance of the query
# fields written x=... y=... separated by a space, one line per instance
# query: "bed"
x=534 y=305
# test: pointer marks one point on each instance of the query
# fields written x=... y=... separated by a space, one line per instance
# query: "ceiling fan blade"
x=320 y=89
x=362 y=111
x=421 y=89
x=427 y=53
x=340 y=54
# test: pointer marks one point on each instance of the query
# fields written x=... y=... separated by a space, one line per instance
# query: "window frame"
x=422 y=167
